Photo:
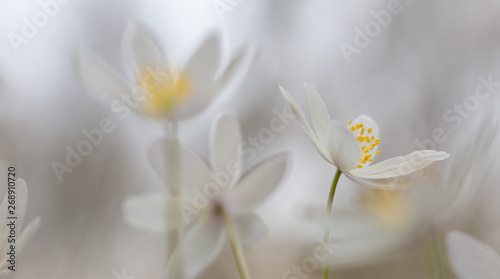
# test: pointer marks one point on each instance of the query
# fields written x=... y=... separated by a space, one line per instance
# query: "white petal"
x=368 y=123
x=301 y=118
x=256 y=185
x=250 y=228
x=100 y=77
x=401 y=165
x=152 y=212
x=343 y=147
x=226 y=147
x=143 y=50
x=319 y=113
x=237 y=67
x=199 y=248
x=472 y=259
x=203 y=63
x=180 y=168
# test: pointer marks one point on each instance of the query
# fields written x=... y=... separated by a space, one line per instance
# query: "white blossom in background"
x=384 y=224
x=471 y=258
x=158 y=87
x=353 y=148
x=209 y=194
x=21 y=237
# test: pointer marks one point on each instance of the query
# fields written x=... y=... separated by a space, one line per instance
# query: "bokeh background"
x=426 y=60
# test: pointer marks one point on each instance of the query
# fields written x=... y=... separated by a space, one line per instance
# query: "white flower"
x=21 y=193
x=207 y=192
x=352 y=148
x=158 y=88
x=471 y=258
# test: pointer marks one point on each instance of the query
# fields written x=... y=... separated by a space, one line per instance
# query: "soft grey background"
x=427 y=59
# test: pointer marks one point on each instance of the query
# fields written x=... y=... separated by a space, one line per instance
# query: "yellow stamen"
x=165 y=91
x=367 y=142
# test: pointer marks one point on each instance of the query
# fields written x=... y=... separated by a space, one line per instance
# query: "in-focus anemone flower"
x=471 y=258
x=216 y=200
x=158 y=88
x=21 y=195
x=353 y=148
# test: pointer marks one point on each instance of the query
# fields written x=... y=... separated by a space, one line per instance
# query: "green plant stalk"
x=173 y=237
x=239 y=257
x=326 y=249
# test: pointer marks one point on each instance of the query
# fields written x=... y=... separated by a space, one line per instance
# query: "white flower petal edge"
x=226 y=147
x=250 y=228
x=401 y=165
x=141 y=49
x=256 y=185
x=319 y=113
x=299 y=115
x=152 y=212
x=238 y=66
x=198 y=249
x=204 y=61
x=100 y=77
x=471 y=258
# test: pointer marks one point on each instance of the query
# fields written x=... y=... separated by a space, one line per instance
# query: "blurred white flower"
x=353 y=148
x=158 y=88
x=471 y=258
x=210 y=197
x=21 y=240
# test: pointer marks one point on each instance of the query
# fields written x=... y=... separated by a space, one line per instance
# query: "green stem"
x=235 y=245
x=326 y=249
x=436 y=259
x=173 y=182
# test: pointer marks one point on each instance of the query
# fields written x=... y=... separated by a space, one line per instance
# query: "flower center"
x=166 y=89
x=367 y=142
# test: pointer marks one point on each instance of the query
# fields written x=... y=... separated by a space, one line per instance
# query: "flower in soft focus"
x=352 y=148
x=158 y=88
x=208 y=195
x=471 y=258
x=21 y=193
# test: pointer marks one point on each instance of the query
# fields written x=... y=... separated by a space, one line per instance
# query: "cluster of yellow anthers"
x=166 y=92
x=368 y=142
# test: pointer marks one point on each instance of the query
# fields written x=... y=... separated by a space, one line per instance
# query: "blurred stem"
x=326 y=248
x=172 y=156
x=436 y=259
x=235 y=244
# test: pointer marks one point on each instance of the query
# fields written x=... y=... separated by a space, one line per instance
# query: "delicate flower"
x=209 y=196
x=452 y=198
x=352 y=148
x=158 y=88
x=471 y=258
x=21 y=193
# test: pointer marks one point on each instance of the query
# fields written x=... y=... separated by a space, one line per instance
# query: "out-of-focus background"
x=415 y=72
